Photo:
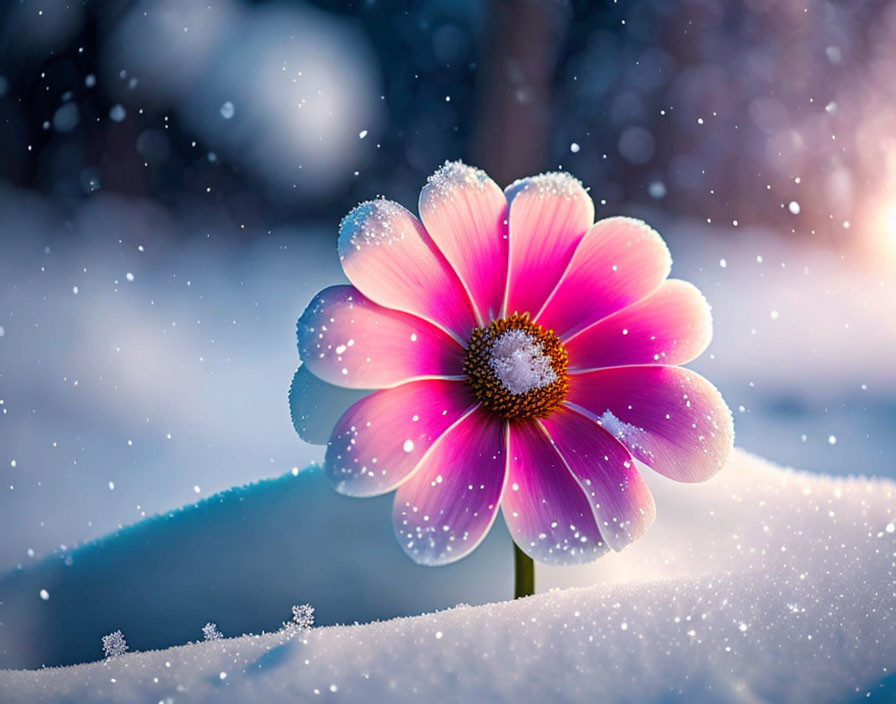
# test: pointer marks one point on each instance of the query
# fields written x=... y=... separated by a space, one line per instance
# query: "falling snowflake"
x=210 y=631
x=114 y=645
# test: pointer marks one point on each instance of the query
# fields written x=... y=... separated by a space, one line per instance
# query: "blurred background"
x=173 y=173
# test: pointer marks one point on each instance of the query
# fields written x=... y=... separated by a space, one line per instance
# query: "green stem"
x=524 y=571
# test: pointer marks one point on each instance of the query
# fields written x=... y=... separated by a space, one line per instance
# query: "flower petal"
x=622 y=503
x=380 y=440
x=465 y=213
x=673 y=325
x=619 y=262
x=546 y=510
x=670 y=418
x=388 y=255
x=446 y=507
x=348 y=340
x=549 y=214
x=315 y=405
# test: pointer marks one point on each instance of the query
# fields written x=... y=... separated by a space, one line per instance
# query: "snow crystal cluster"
x=303 y=616
x=443 y=184
x=553 y=183
x=210 y=631
x=373 y=222
x=630 y=434
x=302 y=620
x=114 y=645
x=519 y=362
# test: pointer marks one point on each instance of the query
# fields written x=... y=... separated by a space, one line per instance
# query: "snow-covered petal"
x=315 y=405
x=447 y=506
x=670 y=418
x=545 y=508
x=548 y=215
x=673 y=325
x=620 y=261
x=388 y=255
x=348 y=340
x=465 y=213
x=378 y=442
x=621 y=501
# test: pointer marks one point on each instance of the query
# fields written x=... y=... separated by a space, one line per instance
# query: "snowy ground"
x=763 y=584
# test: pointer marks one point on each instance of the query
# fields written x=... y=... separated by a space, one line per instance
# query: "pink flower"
x=524 y=357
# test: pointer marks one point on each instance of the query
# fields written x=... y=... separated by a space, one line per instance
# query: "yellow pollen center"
x=516 y=368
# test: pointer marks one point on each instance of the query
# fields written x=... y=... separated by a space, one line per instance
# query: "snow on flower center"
x=519 y=362
x=516 y=368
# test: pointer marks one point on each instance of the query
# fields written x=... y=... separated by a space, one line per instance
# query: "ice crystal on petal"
x=552 y=183
x=451 y=176
x=630 y=435
x=373 y=223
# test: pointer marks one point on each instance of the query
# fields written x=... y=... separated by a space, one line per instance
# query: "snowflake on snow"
x=302 y=619
x=114 y=645
x=303 y=616
x=210 y=631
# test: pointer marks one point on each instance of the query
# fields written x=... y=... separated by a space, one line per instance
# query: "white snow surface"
x=761 y=585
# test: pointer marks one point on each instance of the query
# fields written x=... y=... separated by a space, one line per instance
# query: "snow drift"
x=763 y=584
x=239 y=559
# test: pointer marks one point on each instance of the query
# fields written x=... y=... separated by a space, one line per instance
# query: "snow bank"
x=764 y=585
x=239 y=559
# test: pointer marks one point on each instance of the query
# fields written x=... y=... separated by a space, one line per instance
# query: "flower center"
x=516 y=368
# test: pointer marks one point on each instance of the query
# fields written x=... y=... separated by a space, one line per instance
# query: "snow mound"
x=763 y=585
x=239 y=559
